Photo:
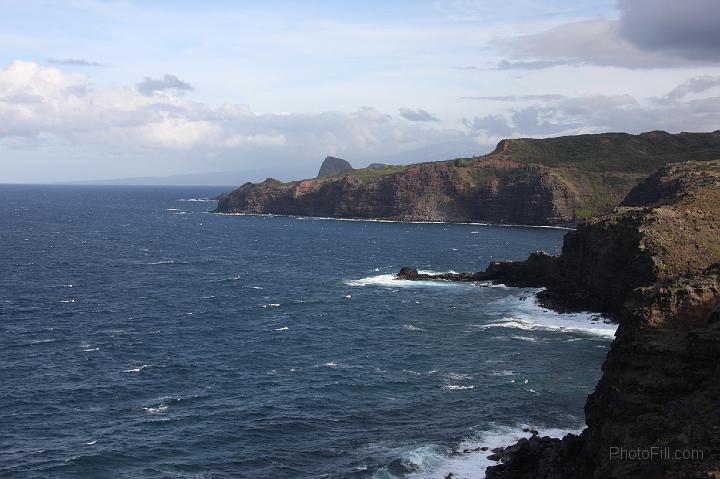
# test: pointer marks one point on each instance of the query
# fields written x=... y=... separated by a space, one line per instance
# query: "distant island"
x=553 y=181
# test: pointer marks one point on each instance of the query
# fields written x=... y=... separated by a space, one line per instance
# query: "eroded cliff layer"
x=555 y=181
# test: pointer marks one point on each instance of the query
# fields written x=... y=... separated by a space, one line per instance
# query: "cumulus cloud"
x=37 y=103
x=43 y=107
x=648 y=34
x=417 y=115
x=168 y=83
x=78 y=62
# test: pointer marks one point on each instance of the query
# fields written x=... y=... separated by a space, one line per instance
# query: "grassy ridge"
x=598 y=169
x=368 y=175
x=620 y=152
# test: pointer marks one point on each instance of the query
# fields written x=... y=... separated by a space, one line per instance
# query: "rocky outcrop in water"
x=536 y=271
x=556 y=181
x=333 y=166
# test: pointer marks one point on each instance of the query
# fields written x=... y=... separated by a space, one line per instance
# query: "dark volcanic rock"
x=654 y=412
x=408 y=274
x=333 y=166
x=671 y=182
x=658 y=393
x=536 y=271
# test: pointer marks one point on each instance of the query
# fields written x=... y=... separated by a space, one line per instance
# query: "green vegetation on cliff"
x=368 y=175
x=556 y=181
x=619 y=152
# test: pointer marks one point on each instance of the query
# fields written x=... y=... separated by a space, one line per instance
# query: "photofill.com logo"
x=655 y=453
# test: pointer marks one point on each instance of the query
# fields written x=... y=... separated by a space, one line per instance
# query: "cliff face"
x=428 y=192
x=536 y=182
x=670 y=230
x=654 y=412
x=659 y=392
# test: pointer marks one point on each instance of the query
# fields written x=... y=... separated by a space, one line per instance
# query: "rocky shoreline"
x=654 y=266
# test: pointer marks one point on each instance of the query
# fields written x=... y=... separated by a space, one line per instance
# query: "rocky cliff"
x=655 y=264
x=654 y=412
x=556 y=181
x=665 y=228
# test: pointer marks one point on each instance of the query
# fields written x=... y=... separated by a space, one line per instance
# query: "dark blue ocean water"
x=142 y=337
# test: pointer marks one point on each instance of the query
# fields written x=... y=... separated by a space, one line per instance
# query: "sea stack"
x=334 y=166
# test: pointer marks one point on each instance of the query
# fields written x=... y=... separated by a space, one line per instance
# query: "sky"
x=93 y=90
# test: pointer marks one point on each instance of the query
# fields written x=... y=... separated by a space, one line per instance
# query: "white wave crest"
x=391 y=281
x=157 y=409
x=410 y=327
x=435 y=461
x=577 y=323
x=137 y=369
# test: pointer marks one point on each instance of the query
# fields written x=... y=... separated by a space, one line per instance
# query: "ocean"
x=143 y=337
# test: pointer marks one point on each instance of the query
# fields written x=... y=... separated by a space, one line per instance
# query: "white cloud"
x=37 y=102
x=50 y=116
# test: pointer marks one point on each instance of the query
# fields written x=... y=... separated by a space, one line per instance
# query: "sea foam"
x=580 y=323
x=390 y=280
x=436 y=461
